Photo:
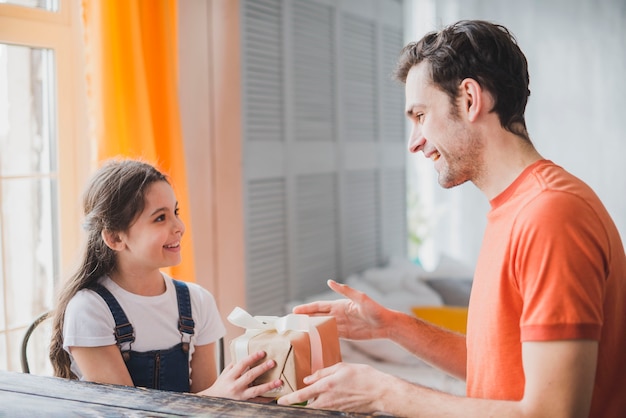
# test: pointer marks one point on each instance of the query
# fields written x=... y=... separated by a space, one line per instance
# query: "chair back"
x=36 y=344
x=220 y=352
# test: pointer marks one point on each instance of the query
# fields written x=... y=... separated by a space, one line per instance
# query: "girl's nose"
x=179 y=225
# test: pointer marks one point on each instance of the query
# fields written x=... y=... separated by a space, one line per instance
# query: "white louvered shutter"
x=323 y=145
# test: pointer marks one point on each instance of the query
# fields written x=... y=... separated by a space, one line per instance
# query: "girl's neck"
x=151 y=284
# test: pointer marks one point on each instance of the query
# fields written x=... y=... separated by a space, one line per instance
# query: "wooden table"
x=26 y=395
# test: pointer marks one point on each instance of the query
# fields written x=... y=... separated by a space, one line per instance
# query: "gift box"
x=299 y=344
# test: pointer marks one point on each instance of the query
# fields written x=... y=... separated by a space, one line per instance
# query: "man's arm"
x=439 y=347
x=360 y=318
x=559 y=383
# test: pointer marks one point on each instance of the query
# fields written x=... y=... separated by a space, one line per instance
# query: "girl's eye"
x=176 y=211
x=160 y=218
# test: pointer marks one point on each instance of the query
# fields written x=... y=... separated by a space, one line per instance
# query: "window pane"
x=26 y=120
x=51 y=5
x=28 y=256
x=28 y=192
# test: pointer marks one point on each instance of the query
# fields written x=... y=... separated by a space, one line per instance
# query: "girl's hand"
x=236 y=379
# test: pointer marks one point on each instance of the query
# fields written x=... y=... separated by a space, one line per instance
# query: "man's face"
x=440 y=130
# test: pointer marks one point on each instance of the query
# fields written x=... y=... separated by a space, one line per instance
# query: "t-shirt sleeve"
x=208 y=324
x=88 y=322
x=562 y=269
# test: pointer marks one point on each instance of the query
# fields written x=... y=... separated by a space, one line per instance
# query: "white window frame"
x=60 y=31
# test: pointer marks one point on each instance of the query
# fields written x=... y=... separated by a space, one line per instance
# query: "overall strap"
x=185 y=321
x=124 y=332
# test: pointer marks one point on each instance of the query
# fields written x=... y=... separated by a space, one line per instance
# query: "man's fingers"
x=328 y=307
x=326 y=371
x=345 y=290
x=313 y=308
x=298 y=396
x=312 y=390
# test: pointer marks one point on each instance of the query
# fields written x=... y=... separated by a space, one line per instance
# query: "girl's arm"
x=203 y=367
x=102 y=364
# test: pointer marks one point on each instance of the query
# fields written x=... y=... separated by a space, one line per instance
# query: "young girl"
x=119 y=319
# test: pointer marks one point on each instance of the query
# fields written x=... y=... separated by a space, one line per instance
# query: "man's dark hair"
x=483 y=51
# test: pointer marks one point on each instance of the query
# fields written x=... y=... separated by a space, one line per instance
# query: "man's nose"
x=416 y=139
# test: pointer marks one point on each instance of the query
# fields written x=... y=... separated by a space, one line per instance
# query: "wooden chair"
x=26 y=338
x=220 y=350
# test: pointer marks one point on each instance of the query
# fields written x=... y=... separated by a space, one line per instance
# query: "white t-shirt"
x=89 y=322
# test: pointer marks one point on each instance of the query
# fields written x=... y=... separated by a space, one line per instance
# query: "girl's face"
x=153 y=239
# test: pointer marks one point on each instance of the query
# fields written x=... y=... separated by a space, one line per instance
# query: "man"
x=546 y=329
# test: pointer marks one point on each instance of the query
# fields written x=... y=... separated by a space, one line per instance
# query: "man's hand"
x=358 y=317
x=345 y=387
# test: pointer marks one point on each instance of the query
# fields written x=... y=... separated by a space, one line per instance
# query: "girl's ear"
x=112 y=240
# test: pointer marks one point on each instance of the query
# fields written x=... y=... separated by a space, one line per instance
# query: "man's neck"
x=505 y=159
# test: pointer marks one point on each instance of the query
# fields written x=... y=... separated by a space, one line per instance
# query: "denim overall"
x=157 y=369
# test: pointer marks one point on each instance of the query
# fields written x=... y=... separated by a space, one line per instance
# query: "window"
x=39 y=188
x=51 y=5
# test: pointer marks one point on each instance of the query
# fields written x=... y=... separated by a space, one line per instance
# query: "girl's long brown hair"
x=112 y=200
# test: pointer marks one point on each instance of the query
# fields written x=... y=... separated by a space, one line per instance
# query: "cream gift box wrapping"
x=299 y=344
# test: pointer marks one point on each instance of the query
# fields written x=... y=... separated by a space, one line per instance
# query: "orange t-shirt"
x=552 y=267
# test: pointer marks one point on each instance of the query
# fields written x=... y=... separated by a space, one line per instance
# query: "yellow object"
x=132 y=76
x=453 y=318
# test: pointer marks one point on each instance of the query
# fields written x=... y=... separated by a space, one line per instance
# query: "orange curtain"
x=132 y=59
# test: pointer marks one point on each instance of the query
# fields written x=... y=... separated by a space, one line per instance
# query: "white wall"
x=576 y=114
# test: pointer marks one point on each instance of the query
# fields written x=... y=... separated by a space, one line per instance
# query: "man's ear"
x=112 y=240
x=473 y=98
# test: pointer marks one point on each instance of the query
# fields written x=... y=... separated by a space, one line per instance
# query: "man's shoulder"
x=553 y=177
x=552 y=188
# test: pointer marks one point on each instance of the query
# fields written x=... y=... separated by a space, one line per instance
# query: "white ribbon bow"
x=255 y=325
